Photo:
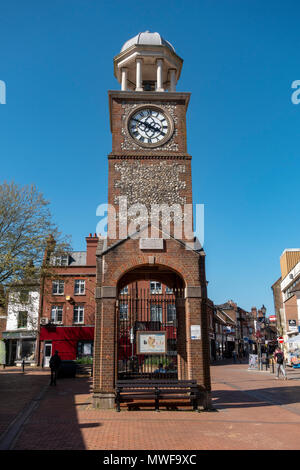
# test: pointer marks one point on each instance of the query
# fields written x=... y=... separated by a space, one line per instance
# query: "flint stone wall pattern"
x=156 y=183
x=129 y=144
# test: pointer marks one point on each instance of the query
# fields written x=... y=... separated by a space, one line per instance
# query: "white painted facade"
x=21 y=336
x=15 y=306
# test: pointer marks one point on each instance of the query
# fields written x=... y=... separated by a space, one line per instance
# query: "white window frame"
x=78 y=312
x=158 y=312
x=157 y=289
x=80 y=283
x=174 y=310
x=61 y=260
x=58 y=309
x=123 y=313
x=59 y=283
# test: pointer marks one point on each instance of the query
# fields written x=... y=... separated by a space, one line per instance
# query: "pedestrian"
x=234 y=356
x=279 y=359
x=239 y=355
x=54 y=364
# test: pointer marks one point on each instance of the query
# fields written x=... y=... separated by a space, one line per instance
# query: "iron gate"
x=147 y=333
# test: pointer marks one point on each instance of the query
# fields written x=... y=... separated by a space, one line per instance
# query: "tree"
x=27 y=232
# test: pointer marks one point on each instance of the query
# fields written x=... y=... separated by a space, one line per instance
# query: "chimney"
x=91 y=246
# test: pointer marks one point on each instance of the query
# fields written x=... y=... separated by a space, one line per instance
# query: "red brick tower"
x=150 y=195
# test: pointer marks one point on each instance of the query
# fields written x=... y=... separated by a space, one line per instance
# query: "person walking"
x=279 y=359
x=54 y=364
x=234 y=356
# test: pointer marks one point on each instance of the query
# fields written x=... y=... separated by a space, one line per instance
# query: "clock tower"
x=149 y=236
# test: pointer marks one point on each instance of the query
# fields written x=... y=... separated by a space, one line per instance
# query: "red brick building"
x=67 y=305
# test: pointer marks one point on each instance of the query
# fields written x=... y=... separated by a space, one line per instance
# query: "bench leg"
x=118 y=401
x=156 y=400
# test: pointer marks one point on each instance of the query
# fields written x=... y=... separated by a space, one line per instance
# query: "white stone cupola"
x=147 y=62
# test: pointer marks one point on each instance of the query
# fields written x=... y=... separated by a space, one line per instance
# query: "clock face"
x=149 y=126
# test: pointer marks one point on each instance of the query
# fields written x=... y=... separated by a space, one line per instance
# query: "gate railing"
x=147 y=333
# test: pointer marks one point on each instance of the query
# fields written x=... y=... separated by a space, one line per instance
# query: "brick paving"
x=255 y=411
x=17 y=389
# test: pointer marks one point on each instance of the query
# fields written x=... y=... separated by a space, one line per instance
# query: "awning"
x=294 y=339
x=19 y=335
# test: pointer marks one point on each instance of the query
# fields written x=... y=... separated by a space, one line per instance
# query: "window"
x=123 y=311
x=22 y=319
x=79 y=288
x=78 y=314
x=58 y=287
x=28 y=349
x=156 y=312
x=155 y=287
x=56 y=313
x=169 y=290
x=124 y=290
x=171 y=312
x=60 y=260
x=24 y=297
x=85 y=349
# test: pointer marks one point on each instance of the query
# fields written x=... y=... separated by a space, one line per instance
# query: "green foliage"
x=26 y=233
x=84 y=360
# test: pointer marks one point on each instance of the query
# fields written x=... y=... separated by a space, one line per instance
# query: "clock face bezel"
x=151 y=107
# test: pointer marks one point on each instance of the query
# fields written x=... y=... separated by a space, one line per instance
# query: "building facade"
x=286 y=293
x=67 y=307
x=22 y=323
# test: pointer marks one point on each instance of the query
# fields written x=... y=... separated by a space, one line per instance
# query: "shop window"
x=85 y=349
x=27 y=350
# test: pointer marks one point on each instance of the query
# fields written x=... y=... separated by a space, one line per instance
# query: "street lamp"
x=263 y=311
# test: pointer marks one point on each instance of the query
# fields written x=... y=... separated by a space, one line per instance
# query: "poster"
x=253 y=361
x=195 y=332
x=151 y=342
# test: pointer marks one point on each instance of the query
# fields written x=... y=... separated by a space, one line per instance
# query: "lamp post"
x=263 y=311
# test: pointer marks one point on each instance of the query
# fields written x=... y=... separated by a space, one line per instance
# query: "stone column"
x=105 y=348
x=172 y=79
x=124 y=72
x=181 y=339
x=139 y=79
x=198 y=357
x=159 y=75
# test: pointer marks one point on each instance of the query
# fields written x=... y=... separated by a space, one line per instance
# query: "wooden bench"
x=152 y=389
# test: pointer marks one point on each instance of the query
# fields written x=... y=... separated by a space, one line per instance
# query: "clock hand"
x=146 y=124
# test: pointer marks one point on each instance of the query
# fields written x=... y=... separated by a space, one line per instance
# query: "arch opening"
x=151 y=324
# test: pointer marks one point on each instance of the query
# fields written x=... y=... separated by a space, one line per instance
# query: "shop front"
x=20 y=346
x=71 y=342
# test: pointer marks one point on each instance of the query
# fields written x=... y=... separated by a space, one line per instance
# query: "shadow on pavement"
x=256 y=397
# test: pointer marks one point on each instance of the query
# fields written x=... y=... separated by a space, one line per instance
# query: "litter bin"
x=67 y=369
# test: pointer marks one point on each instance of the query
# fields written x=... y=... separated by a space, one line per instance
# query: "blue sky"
x=240 y=59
